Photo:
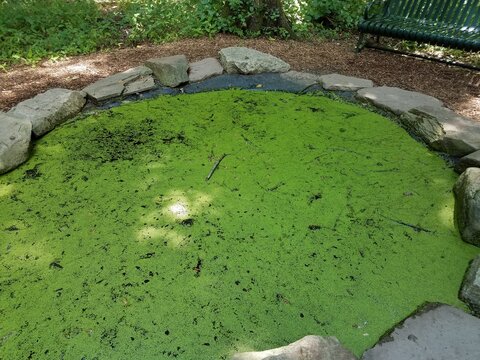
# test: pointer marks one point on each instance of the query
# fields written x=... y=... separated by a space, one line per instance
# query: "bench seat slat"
x=452 y=23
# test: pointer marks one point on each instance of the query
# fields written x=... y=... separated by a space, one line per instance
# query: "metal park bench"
x=449 y=23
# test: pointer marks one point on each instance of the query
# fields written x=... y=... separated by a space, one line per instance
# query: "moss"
x=323 y=218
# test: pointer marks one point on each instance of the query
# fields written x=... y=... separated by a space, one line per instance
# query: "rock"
x=171 y=70
x=243 y=60
x=439 y=332
x=140 y=85
x=15 y=135
x=470 y=292
x=49 y=109
x=344 y=83
x=470 y=160
x=396 y=100
x=310 y=347
x=467 y=205
x=131 y=81
x=305 y=79
x=443 y=130
x=204 y=69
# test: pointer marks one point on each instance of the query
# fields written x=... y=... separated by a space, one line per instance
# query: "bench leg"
x=361 y=43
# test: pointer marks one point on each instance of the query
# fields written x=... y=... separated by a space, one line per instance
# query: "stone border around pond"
x=421 y=115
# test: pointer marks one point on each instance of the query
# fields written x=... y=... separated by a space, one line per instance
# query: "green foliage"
x=157 y=20
x=229 y=16
x=31 y=30
x=333 y=13
x=34 y=29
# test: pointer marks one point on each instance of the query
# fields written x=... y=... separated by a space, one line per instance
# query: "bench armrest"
x=376 y=7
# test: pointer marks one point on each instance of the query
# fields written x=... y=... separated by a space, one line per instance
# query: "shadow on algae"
x=323 y=218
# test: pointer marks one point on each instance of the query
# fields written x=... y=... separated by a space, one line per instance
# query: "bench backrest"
x=456 y=12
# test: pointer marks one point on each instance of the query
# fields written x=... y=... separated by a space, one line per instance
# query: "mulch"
x=458 y=88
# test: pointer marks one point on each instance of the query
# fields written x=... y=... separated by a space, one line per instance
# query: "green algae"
x=323 y=218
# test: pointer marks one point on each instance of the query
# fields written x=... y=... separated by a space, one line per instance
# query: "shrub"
x=34 y=29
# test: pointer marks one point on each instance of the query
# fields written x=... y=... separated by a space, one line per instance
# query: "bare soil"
x=458 y=88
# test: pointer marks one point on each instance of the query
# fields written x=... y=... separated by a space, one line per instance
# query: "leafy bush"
x=333 y=13
x=157 y=20
x=235 y=16
x=34 y=29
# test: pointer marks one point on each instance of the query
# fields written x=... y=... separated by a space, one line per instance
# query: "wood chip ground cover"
x=323 y=218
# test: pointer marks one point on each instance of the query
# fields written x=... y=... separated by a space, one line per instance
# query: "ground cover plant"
x=322 y=218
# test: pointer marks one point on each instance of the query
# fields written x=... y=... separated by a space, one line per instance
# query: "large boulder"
x=467 y=205
x=470 y=292
x=204 y=69
x=437 y=331
x=310 y=347
x=395 y=99
x=131 y=81
x=49 y=109
x=241 y=60
x=15 y=135
x=443 y=130
x=344 y=83
x=170 y=71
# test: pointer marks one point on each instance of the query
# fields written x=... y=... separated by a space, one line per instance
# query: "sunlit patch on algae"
x=322 y=219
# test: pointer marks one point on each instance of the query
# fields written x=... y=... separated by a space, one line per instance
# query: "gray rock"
x=15 y=135
x=396 y=100
x=305 y=79
x=470 y=160
x=49 y=109
x=131 y=81
x=142 y=84
x=439 y=332
x=310 y=347
x=204 y=69
x=344 y=83
x=443 y=130
x=470 y=292
x=467 y=205
x=243 y=60
x=171 y=70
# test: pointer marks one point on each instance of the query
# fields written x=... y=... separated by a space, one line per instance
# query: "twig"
x=214 y=167
x=414 y=227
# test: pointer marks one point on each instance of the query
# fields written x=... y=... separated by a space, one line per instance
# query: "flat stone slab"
x=15 y=135
x=302 y=78
x=467 y=205
x=131 y=81
x=439 y=332
x=49 y=109
x=204 y=69
x=395 y=99
x=241 y=60
x=443 y=130
x=171 y=70
x=344 y=83
x=470 y=160
x=470 y=292
x=310 y=347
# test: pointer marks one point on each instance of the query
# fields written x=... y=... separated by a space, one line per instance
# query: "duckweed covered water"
x=323 y=218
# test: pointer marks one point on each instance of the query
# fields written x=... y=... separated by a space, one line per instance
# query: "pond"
x=321 y=218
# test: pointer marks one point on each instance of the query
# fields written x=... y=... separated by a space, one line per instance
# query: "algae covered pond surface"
x=323 y=218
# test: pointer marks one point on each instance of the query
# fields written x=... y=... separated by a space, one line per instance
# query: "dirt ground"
x=458 y=88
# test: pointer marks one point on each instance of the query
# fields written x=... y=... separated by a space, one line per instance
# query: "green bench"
x=450 y=23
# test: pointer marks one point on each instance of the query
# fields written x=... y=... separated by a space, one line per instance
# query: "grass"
x=114 y=246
